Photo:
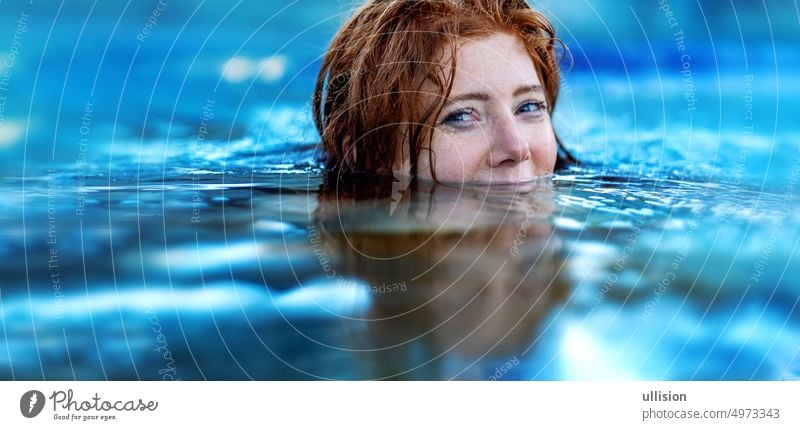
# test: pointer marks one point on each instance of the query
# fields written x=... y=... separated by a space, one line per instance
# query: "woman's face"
x=495 y=126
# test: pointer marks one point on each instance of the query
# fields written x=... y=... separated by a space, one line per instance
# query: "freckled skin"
x=503 y=136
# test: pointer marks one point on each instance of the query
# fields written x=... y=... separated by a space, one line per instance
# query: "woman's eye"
x=459 y=117
x=533 y=107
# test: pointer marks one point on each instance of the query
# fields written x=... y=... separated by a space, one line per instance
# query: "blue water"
x=164 y=214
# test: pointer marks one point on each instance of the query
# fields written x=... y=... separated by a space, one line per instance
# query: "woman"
x=448 y=90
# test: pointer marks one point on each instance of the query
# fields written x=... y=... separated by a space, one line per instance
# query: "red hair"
x=368 y=94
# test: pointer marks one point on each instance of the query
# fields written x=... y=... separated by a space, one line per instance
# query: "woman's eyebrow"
x=528 y=89
x=483 y=97
x=524 y=89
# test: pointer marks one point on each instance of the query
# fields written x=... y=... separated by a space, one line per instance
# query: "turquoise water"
x=166 y=218
x=281 y=278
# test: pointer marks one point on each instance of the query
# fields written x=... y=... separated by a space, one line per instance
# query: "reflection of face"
x=495 y=127
x=478 y=267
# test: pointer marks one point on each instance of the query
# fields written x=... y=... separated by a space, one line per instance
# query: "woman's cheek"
x=545 y=154
x=459 y=158
x=544 y=148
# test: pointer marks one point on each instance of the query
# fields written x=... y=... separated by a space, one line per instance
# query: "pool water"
x=286 y=277
x=169 y=217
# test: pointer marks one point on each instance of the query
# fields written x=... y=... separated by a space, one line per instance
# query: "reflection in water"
x=579 y=277
x=459 y=277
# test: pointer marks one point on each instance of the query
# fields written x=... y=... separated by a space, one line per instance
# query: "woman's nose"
x=509 y=146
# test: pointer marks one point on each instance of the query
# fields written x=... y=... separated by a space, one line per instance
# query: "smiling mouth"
x=511 y=178
x=504 y=184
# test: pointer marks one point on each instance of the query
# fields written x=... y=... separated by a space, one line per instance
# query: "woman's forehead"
x=497 y=61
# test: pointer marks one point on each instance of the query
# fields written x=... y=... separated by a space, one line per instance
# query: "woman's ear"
x=401 y=164
x=401 y=172
x=401 y=169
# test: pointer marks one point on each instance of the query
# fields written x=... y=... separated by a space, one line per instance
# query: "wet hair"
x=368 y=96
